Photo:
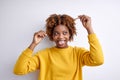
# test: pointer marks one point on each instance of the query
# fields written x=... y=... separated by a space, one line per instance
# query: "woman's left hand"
x=86 y=22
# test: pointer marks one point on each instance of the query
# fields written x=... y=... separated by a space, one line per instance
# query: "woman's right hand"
x=38 y=36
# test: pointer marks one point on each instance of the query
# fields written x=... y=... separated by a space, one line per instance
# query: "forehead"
x=59 y=28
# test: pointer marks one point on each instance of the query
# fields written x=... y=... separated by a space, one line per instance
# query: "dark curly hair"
x=54 y=20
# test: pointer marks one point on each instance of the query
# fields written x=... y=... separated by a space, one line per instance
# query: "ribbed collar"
x=61 y=49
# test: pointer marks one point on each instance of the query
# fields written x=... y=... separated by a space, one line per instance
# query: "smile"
x=61 y=42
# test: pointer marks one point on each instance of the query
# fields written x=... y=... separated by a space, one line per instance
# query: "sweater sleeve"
x=26 y=63
x=94 y=56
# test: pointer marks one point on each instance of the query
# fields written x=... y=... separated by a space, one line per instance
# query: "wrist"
x=90 y=30
x=32 y=46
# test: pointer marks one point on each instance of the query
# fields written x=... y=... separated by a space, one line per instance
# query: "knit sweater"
x=60 y=64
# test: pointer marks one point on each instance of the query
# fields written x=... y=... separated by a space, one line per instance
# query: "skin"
x=61 y=33
x=61 y=36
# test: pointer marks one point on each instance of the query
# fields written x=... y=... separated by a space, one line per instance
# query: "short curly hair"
x=54 y=20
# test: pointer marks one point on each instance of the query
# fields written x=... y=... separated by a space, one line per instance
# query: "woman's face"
x=61 y=36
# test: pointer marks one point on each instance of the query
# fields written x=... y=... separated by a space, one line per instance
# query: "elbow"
x=99 y=62
x=18 y=71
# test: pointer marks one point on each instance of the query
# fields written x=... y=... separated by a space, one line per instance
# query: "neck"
x=61 y=47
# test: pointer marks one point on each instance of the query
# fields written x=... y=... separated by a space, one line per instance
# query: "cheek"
x=54 y=38
x=68 y=37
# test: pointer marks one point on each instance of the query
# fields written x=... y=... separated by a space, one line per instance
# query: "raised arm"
x=94 y=56
x=27 y=62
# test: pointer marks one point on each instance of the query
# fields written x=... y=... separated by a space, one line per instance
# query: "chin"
x=61 y=46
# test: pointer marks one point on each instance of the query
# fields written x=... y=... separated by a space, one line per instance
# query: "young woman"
x=60 y=62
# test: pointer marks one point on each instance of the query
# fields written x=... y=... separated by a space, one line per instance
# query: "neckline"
x=60 y=49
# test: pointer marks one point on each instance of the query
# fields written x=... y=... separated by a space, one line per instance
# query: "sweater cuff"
x=28 y=52
x=92 y=37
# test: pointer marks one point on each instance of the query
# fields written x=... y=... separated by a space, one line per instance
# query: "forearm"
x=22 y=62
x=32 y=46
x=95 y=50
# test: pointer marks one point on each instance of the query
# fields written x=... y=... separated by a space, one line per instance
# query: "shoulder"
x=43 y=52
x=79 y=49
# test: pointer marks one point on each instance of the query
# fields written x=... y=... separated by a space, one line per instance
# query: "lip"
x=64 y=45
x=61 y=42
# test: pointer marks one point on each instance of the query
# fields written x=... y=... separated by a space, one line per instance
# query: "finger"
x=42 y=34
x=81 y=17
x=85 y=18
x=37 y=35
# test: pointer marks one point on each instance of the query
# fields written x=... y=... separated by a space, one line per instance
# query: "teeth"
x=61 y=42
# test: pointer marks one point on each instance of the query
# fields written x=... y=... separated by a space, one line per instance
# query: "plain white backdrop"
x=19 y=19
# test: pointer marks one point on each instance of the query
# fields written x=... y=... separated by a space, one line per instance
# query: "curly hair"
x=54 y=20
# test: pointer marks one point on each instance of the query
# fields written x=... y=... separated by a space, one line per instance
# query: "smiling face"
x=61 y=36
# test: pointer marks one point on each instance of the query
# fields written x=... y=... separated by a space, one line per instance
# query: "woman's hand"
x=38 y=36
x=86 y=22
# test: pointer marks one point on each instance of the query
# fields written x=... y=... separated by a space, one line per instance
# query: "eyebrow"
x=58 y=30
x=62 y=31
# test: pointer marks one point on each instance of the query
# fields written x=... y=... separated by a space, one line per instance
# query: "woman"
x=60 y=62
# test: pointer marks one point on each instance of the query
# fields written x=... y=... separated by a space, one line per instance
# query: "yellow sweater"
x=60 y=64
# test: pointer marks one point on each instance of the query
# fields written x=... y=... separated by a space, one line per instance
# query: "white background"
x=19 y=19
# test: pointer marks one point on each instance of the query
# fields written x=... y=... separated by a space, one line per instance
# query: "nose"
x=61 y=36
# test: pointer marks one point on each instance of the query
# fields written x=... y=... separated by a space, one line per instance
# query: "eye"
x=55 y=33
x=64 y=33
